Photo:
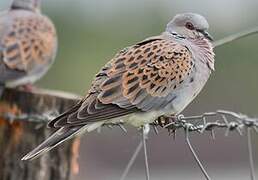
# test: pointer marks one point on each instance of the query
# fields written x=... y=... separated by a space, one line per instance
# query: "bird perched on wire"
x=158 y=76
x=28 y=44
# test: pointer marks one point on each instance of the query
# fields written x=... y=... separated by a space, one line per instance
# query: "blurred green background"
x=90 y=32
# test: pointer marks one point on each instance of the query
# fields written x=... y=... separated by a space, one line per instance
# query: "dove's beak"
x=206 y=34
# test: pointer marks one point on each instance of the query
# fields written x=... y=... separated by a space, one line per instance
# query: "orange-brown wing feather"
x=29 y=42
x=139 y=78
x=146 y=75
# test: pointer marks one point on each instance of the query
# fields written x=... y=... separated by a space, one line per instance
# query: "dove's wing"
x=140 y=78
x=27 y=43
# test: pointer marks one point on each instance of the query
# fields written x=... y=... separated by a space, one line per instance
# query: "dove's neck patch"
x=177 y=36
x=31 y=5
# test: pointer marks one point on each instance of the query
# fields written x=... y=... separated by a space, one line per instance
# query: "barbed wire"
x=206 y=122
x=222 y=119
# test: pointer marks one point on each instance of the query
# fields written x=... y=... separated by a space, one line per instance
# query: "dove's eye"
x=189 y=26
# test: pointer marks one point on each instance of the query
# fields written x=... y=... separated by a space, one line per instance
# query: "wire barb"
x=155 y=129
x=121 y=126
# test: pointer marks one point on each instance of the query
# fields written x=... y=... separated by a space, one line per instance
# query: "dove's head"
x=189 y=25
x=33 y=5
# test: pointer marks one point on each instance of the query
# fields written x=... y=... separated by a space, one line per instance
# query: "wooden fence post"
x=23 y=118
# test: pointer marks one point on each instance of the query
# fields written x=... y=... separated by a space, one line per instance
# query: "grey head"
x=32 y=5
x=189 y=25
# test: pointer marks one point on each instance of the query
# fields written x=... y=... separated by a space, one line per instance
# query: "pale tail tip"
x=33 y=154
x=26 y=157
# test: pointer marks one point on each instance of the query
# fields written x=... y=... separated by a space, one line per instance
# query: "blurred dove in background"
x=28 y=44
x=158 y=76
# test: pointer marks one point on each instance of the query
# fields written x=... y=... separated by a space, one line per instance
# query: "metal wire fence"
x=206 y=122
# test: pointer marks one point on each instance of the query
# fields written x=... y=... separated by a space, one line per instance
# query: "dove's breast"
x=203 y=57
x=190 y=89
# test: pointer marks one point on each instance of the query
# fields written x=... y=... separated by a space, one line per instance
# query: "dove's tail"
x=60 y=136
x=55 y=139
